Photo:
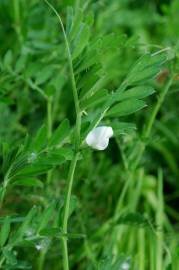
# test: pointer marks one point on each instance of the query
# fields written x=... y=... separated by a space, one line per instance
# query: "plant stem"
x=146 y=135
x=17 y=22
x=148 y=129
x=67 y=209
x=77 y=145
x=141 y=248
x=42 y=255
x=49 y=130
x=37 y=88
x=49 y=117
x=41 y=259
x=159 y=222
x=73 y=82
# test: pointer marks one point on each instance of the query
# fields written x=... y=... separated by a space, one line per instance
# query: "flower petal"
x=98 y=138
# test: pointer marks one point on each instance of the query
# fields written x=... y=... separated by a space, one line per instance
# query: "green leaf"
x=21 y=63
x=74 y=204
x=5 y=230
x=90 y=58
x=60 y=134
x=51 y=232
x=10 y=257
x=133 y=219
x=56 y=232
x=24 y=227
x=89 y=19
x=46 y=216
x=96 y=87
x=96 y=99
x=148 y=60
x=146 y=68
x=52 y=158
x=44 y=162
x=13 y=219
x=75 y=235
x=81 y=40
x=147 y=74
x=35 y=169
x=137 y=92
x=97 y=50
x=65 y=152
x=28 y=182
x=122 y=127
x=126 y=107
x=20 y=162
x=40 y=139
x=23 y=265
x=7 y=156
x=88 y=79
x=8 y=58
x=69 y=19
x=76 y=24
x=44 y=75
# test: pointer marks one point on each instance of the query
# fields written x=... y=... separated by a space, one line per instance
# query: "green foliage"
x=126 y=107
x=5 y=231
x=138 y=92
x=111 y=66
x=60 y=134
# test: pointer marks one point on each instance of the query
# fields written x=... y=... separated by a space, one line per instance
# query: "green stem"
x=151 y=121
x=159 y=222
x=41 y=258
x=17 y=22
x=3 y=192
x=49 y=130
x=49 y=117
x=37 y=88
x=67 y=209
x=142 y=145
x=141 y=248
x=77 y=144
x=73 y=82
x=122 y=196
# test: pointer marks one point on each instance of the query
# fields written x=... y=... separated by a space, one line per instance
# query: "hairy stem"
x=77 y=144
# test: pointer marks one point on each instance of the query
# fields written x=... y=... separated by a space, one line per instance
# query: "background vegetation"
x=123 y=209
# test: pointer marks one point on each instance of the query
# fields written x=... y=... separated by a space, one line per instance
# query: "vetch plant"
x=65 y=92
x=114 y=104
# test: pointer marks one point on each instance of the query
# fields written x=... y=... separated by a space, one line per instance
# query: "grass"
x=65 y=69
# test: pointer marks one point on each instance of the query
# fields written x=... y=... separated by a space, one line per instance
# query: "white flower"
x=38 y=247
x=98 y=138
x=125 y=266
